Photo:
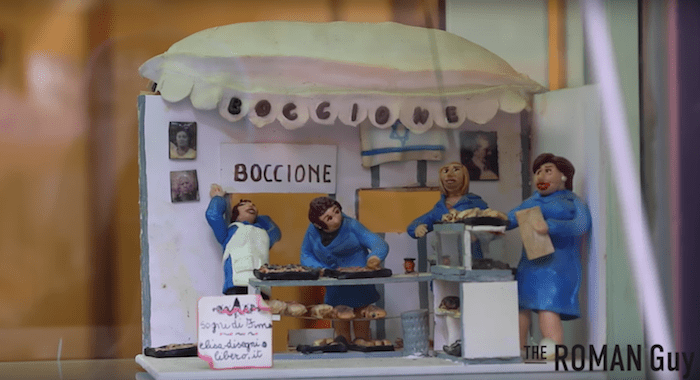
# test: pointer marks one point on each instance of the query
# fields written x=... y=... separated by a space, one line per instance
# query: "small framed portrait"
x=183 y=140
x=479 y=153
x=184 y=186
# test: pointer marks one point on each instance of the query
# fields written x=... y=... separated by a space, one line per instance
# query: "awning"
x=295 y=71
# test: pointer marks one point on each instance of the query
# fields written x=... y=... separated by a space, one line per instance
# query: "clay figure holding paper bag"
x=554 y=224
x=246 y=239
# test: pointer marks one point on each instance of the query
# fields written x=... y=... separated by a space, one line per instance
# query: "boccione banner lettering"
x=278 y=168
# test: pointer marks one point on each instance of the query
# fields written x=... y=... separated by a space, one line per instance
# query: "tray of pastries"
x=286 y=272
x=356 y=272
x=172 y=351
x=476 y=217
x=371 y=345
x=337 y=344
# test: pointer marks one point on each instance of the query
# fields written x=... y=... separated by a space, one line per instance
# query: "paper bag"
x=536 y=245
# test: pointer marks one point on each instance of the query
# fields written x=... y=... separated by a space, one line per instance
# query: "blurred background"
x=69 y=192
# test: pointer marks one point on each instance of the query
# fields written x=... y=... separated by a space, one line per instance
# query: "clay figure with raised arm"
x=334 y=240
x=455 y=195
x=246 y=238
x=549 y=285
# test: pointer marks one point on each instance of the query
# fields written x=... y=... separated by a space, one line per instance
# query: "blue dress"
x=467 y=202
x=552 y=282
x=224 y=232
x=350 y=248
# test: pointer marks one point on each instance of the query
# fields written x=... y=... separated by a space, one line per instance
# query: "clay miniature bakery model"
x=233 y=80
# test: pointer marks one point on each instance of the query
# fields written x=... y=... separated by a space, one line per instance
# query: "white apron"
x=249 y=248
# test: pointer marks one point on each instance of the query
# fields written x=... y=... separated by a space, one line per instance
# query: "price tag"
x=234 y=332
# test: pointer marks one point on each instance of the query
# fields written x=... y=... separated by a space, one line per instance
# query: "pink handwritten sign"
x=234 y=332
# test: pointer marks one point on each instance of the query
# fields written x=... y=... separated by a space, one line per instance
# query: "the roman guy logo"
x=611 y=358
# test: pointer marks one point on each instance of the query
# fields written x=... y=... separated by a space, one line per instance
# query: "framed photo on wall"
x=479 y=153
x=183 y=140
x=184 y=186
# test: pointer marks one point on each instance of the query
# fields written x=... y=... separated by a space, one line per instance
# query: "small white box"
x=490 y=320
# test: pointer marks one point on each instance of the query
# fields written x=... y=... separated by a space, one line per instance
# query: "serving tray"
x=342 y=275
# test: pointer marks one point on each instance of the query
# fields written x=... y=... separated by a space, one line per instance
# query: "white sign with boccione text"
x=234 y=332
x=278 y=168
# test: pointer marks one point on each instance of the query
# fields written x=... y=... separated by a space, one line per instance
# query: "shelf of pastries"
x=325 y=311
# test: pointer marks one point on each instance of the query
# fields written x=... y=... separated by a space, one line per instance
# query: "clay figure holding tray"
x=456 y=203
x=549 y=284
x=334 y=240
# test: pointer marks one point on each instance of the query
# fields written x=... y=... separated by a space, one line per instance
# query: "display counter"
x=365 y=368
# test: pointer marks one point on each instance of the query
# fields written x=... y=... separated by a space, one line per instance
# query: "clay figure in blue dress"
x=455 y=195
x=549 y=285
x=334 y=240
x=246 y=241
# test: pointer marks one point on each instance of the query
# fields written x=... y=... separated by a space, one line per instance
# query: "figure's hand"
x=541 y=227
x=374 y=263
x=421 y=230
x=216 y=190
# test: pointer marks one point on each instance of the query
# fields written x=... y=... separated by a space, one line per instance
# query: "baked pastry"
x=295 y=309
x=449 y=306
x=450 y=216
x=321 y=311
x=323 y=341
x=372 y=312
x=493 y=214
x=372 y=343
x=469 y=213
x=342 y=312
x=450 y=303
x=354 y=269
x=277 y=306
x=361 y=342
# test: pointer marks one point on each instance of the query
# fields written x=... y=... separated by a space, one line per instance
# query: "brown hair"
x=563 y=165
x=465 y=182
x=234 y=209
x=320 y=205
